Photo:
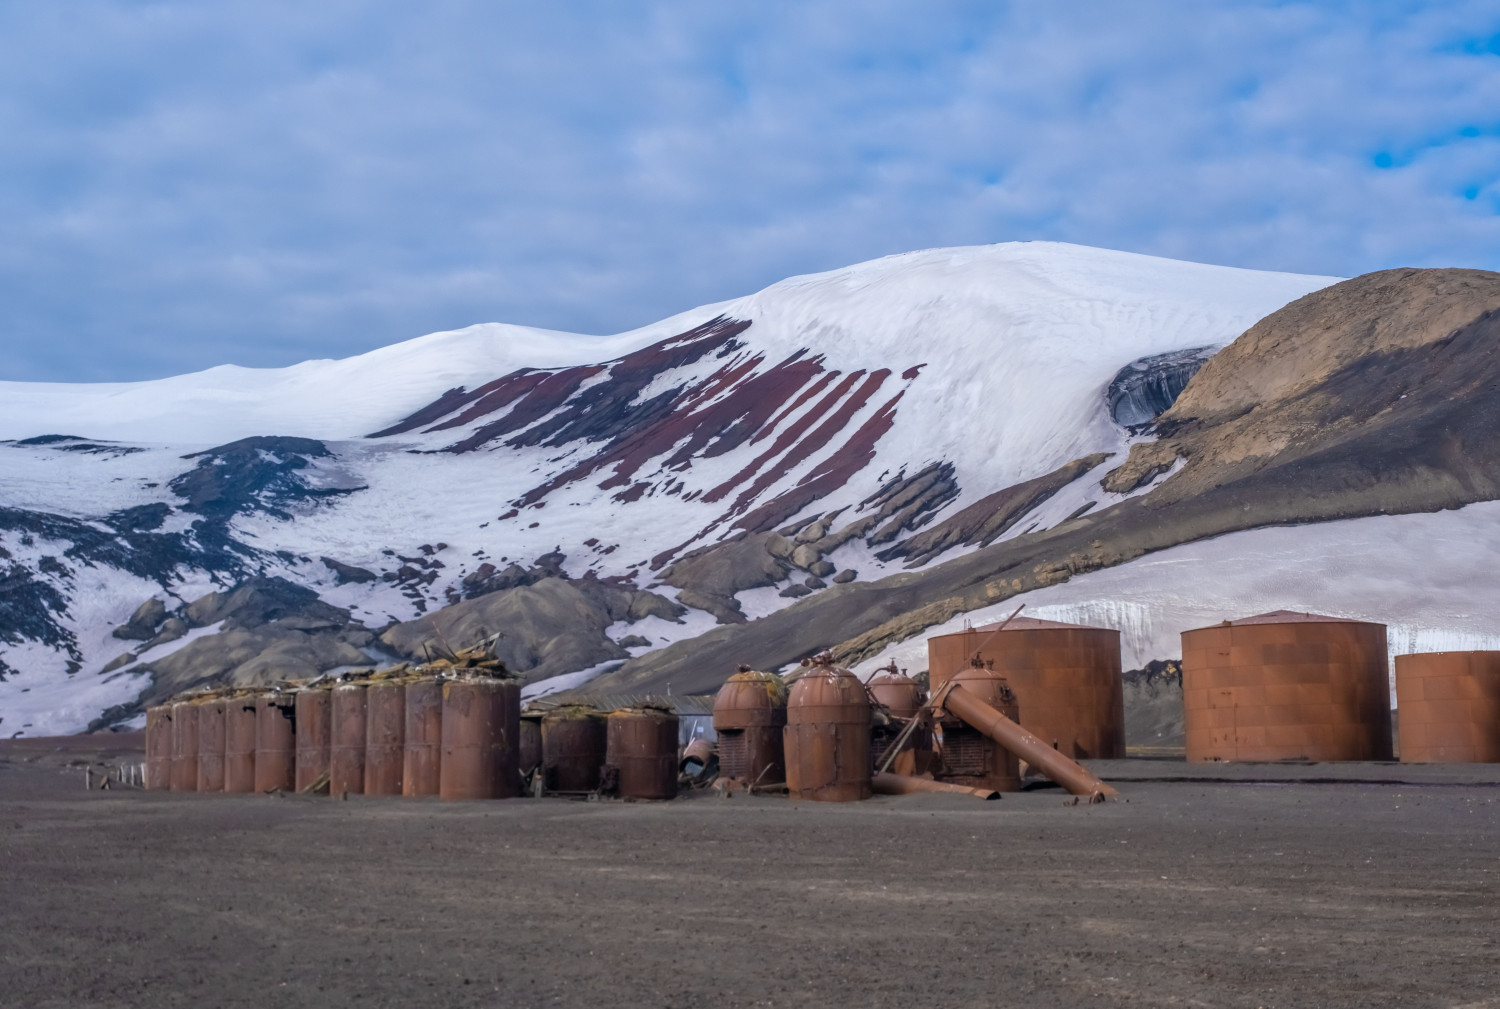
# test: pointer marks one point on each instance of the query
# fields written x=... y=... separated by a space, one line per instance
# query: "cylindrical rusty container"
x=969 y=756
x=314 y=734
x=531 y=743
x=828 y=737
x=572 y=749
x=749 y=720
x=1286 y=686
x=424 y=738
x=159 y=748
x=903 y=697
x=385 y=737
x=1066 y=679
x=184 y=747
x=211 y=744
x=346 y=753
x=481 y=735
x=276 y=742
x=239 y=743
x=641 y=752
x=1449 y=707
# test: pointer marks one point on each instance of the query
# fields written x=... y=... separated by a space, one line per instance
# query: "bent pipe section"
x=887 y=783
x=1064 y=770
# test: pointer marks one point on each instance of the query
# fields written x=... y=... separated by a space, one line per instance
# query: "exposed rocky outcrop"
x=1153 y=705
x=1144 y=389
x=143 y=622
x=348 y=574
x=710 y=577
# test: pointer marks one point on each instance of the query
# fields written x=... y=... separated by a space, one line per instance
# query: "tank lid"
x=1288 y=617
x=1032 y=624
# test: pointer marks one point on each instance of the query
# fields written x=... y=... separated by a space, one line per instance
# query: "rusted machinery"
x=573 y=749
x=1286 y=686
x=184 y=747
x=970 y=756
x=276 y=742
x=211 y=744
x=1066 y=679
x=902 y=698
x=481 y=735
x=1449 y=707
x=314 y=705
x=424 y=737
x=827 y=735
x=346 y=755
x=385 y=736
x=640 y=753
x=240 y=711
x=158 y=748
x=750 y=722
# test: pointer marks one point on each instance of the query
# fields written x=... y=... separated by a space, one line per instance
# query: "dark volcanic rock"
x=254 y=474
x=710 y=577
x=346 y=574
x=634 y=641
x=795 y=592
x=845 y=576
x=143 y=622
x=1153 y=705
x=1146 y=388
x=260 y=601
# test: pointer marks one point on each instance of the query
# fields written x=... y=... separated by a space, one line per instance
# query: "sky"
x=186 y=184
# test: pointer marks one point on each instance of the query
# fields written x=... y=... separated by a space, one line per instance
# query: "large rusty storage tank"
x=1066 y=679
x=1449 y=707
x=276 y=742
x=1286 y=686
x=184 y=747
x=239 y=742
x=828 y=736
x=314 y=733
x=750 y=723
x=641 y=752
x=346 y=752
x=159 y=748
x=385 y=736
x=903 y=697
x=424 y=738
x=573 y=745
x=481 y=736
x=969 y=756
x=211 y=744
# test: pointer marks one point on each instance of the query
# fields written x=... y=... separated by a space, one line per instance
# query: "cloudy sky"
x=184 y=184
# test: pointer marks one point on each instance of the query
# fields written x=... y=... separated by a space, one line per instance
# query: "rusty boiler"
x=827 y=736
x=424 y=738
x=750 y=722
x=211 y=744
x=184 y=747
x=385 y=736
x=971 y=757
x=159 y=748
x=641 y=753
x=902 y=698
x=239 y=742
x=481 y=737
x=1449 y=707
x=573 y=749
x=276 y=742
x=314 y=733
x=346 y=752
x=1066 y=678
x=1286 y=686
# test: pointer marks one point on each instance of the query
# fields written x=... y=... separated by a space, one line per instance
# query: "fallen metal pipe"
x=904 y=784
x=1065 y=771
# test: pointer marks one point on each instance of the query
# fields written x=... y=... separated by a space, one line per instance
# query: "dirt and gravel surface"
x=1255 y=887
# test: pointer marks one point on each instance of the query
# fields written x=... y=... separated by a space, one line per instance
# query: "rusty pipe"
x=1064 y=770
x=887 y=783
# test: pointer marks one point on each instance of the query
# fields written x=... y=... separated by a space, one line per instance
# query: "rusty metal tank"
x=159 y=748
x=314 y=733
x=903 y=697
x=750 y=723
x=530 y=750
x=641 y=752
x=346 y=752
x=827 y=736
x=239 y=742
x=1066 y=678
x=276 y=741
x=1286 y=686
x=211 y=744
x=184 y=747
x=971 y=757
x=573 y=744
x=385 y=736
x=481 y=737
x=1448 y=705
x=420 y=771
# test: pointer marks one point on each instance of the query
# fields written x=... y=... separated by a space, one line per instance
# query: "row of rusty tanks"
x=578 y=750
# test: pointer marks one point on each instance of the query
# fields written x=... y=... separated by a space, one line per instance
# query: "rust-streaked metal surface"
x=385 y=737
x=424 y=738
x=1066 y=679
x=903 y=697
x=887 y=783
x=641 y=745
x=184 y=747
x=481 y=739
x=828 y=737
x=314 y=734
x=530 y=749
x=240 y=716
x=900 y=693
x=276 y=742
x=750 y=721
x=1286 y=686
x=965 y=704
x=573 y=743
x=1449 y=705
x=346 y=754
x=158 y=748
x=211 y=745
x=969 y=756
x=700 y=751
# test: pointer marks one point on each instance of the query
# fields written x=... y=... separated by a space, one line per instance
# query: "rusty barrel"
x=1448 y=705
x=641 y=749
x=530 y=749
x=239 y=743
x=314 y=734
x=828 y=737
x=750 y=720
x=159 y=748
x=211 y=744
x=573 y=749
x=481 y=736
x=385 y=736
x=969 y=756
x=276 y=742
x=184 y=747
x=346 y=755
x=424 y=738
